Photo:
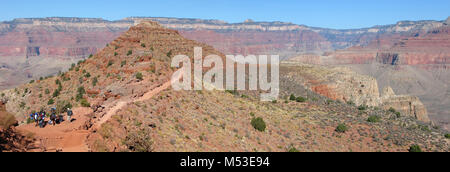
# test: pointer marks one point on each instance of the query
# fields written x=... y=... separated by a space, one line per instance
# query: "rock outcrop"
x=343 y=84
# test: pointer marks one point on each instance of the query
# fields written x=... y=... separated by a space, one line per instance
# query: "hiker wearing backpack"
x=69 y=114
x=53 y=119
x=36 y=119
x=42 y=120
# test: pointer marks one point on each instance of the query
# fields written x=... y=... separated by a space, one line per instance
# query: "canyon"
x=122 y=103
x=409 y=56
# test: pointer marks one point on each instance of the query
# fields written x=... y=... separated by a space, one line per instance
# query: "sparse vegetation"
x=169 y=54
x=392 y=110
x=292 y=97
x=32 y=81
x=130 y=52
x=374 y=119
x=447 y=135
x=351 y=103
x=293 y=149
x=94 y=81
x=123 y=63
x=139 y=141
x=362 y=107
x=341 y=128
x=80 y=93
x=47 y=91
x=415 y=148
x=85 y=103
x=139 y=76
x=300 y=99
x=115 y=53
x=50 y=102
x=258 y=124
x=110 y=63
x=143 y=45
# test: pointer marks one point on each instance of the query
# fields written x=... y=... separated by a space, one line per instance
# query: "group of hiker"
x=39 y=117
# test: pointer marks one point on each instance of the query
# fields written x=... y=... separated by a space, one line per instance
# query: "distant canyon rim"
x=410 y=56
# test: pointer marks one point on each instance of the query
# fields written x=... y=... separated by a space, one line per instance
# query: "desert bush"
x=415 y=148
x=447 y=135
x=169 y=54
x=115 y=53
x=398 y=114
x=391 y=109
x=56 y=93
x=32 y=81
x=139 y=76
x=85 y=103
x=123 y=63
x=94 y=81
x=292 y=97
x=80 y=93
x=362 y=107
x=50 y=102
x=130 y=52
x=341 y=128
x=47 y=91
x=300 y=99
x=258 y=124
x=351 y=103
x=373 y=119
x=293 y=149
x=143 y=45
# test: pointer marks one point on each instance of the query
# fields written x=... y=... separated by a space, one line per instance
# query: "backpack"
x=69 y=113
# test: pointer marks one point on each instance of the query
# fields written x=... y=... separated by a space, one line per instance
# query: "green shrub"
x=258 y=124
x=80 y=92
x=22 y=105
x=392 y=110
x=56 y=93
x=3 y=94
x=398 y=114
x=90 y=56
x=362 y=107
x=47 y=91
x=292 y=97
x=293 y=149
x=115 y=53
x=85 y=103
x=300 y=99
x=32 y=81
x=341 y=128
x=110 y=63
x=447 y=135
x=51 y=101
x=94 y=81
x=123 y=63
x=143 y=45
x=169 y=54
x=139 y=76
x=415 y=148
x=373 y=119
x=130 y=52
x=351 y=103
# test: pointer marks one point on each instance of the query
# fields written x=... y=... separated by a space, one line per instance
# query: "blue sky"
x=337 y=14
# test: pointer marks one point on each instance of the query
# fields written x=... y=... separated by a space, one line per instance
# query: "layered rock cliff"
x=345 y=85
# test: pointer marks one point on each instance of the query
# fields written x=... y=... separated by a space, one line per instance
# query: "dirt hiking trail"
x=72 y=137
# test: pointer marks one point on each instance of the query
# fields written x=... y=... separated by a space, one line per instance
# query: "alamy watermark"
x=233 y=72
